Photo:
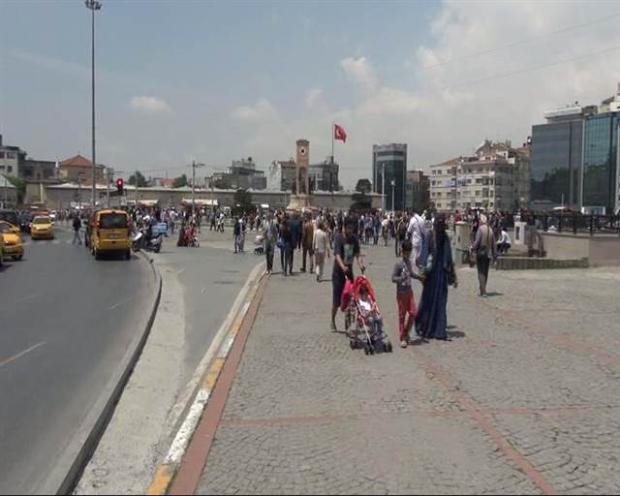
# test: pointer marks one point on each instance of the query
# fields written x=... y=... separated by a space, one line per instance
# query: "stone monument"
x=301 y=198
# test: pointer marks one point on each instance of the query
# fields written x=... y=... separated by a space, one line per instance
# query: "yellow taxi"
x=42 y=227
x=10 y=237
x=110 y=232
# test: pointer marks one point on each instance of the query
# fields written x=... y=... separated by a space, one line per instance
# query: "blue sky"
x=215 y=81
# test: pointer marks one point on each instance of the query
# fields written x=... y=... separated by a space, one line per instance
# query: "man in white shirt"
x=415 y=232
x=320 y=246
x=503 y=245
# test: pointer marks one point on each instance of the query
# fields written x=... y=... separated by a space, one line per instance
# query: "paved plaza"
x=523 y=399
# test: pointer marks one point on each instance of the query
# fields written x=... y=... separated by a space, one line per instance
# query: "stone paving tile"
x=308 y=415
x=403 y=454
x=578 y=452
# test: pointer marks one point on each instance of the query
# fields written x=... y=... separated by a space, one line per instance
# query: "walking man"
x=486 y=250
x=237 y=235
x=270 y=238
x=307 y=238
x=77 y=225
x=346 y=249
x=320 y=245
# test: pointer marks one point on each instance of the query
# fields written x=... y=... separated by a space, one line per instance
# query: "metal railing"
x=575 y=223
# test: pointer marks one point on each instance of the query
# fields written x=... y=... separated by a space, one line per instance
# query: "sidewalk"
x=521 y=401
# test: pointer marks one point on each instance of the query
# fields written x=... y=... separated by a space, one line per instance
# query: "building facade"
x=80 y=169
x=242 y=174
x=496 y=177
x=10 y=159
x=324 y=176
x=389 y=172
x=67 y=195
x=600 y=167
x=418 y=191
x=575 y=159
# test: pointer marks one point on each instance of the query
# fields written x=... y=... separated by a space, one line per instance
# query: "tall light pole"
x=383 y=188
x=194 y=165
x=393 y=185
x=93 y=5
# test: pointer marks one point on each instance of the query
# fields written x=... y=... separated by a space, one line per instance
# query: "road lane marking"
x=116 y=305
x=21 y=354
x=26 y=298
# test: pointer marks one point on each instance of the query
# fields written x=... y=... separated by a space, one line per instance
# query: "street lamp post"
x=383 y=188
x=393 y=185
x=194 y=165
x=93 y=5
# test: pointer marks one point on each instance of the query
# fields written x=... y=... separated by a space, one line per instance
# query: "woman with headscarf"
x=436 y=262
x=485 y=248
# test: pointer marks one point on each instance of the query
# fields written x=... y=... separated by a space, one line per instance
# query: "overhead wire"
x=523 y=41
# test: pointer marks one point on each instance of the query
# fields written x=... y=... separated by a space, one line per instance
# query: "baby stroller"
x=365 y=328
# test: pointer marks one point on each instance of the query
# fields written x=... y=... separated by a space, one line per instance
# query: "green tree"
x=139 y=179
x=243 y=202
x=20 y=187
x=363 y=186
x=180 y=181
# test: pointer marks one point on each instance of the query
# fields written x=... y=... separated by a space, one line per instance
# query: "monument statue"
x=300 y=197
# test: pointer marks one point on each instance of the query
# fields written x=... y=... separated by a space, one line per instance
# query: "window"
x=478 y=192
x=9 y=169
x=10 y=155
x=1 y=154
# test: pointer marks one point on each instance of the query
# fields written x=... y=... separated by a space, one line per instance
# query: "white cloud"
x=359 y=71
x=262 y=110
x=312 y=97
x=149 y=104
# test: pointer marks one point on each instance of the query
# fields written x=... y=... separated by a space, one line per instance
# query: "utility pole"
x=136 y=189
x=79 y=191
x=194 y=165
x=393 y=185
x=384 y=202
x=93 y=5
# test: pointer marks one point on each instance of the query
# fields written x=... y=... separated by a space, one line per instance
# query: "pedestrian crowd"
x=421 y=244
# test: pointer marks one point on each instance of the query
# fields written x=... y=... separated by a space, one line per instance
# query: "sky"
x=185 y=80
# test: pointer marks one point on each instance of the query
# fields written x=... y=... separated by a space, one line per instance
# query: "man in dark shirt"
x=346 y=249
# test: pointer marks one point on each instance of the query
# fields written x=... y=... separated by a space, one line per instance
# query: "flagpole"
x=333 y=132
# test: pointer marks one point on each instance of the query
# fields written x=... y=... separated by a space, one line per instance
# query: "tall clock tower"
x=303 y=160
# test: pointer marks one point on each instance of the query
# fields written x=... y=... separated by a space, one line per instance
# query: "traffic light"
x=119 y=185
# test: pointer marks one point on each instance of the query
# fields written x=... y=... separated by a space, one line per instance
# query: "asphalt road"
x=66 y=322
x=211 y=278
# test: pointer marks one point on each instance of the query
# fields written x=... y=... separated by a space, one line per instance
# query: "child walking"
x=401 y=276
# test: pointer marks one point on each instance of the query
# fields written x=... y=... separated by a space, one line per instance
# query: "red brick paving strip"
x=195 y=459
x=482 y=419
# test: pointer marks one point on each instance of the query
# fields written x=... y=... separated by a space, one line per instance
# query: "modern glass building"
x=389 y=163
x=556 y=162
x=600 y=161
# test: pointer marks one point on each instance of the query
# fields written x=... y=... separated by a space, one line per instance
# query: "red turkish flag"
x=340 y=133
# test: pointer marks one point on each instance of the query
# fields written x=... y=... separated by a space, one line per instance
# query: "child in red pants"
x=402 y=275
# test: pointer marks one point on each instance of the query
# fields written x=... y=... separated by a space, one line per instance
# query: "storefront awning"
x=148 y=203
x=201 y=202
